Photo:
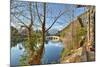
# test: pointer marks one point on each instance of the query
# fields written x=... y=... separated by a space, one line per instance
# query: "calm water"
x=51 y=54
x=16 y=53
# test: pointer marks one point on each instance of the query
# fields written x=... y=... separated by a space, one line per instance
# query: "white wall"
x=5 y=33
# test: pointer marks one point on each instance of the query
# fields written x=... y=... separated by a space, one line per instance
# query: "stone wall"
x=78 y=38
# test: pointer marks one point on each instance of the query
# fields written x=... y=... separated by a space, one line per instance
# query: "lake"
x=52 y=53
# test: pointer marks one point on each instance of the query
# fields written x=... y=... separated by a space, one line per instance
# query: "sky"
x=53 y=10
x=68 y=16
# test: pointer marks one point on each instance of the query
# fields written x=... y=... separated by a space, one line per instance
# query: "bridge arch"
x=53 y=38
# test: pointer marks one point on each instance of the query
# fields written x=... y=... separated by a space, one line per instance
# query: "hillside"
x=79 y=36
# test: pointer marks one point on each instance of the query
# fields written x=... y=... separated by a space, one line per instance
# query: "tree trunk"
x=33 y=58
x=30 y=47
x=37 y=58
x=43 y=35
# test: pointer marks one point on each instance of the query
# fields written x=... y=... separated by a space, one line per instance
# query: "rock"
x=91 y=56
x=77 y=55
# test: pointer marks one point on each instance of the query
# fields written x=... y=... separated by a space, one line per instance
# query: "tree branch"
x=38 y=14
x=21 y=14
x=60 y=14
x=21 y=21
x=31 y=15
x=14 y=7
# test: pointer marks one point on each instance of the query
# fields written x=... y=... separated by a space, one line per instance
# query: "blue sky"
x=53 y=10
x=68 y=16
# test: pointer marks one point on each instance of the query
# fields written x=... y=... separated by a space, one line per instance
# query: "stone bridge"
x=53 y=38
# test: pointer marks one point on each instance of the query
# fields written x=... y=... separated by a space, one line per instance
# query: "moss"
x=64 y=53
x=80 y=31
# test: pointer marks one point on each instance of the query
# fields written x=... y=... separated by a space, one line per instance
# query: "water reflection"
x=51 y=53
x=16 y=53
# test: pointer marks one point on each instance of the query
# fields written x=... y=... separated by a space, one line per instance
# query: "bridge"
x=53 y=38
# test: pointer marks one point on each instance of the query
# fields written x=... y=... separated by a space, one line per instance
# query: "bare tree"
x=43 y=22
x=17 y=15
x=25 y=13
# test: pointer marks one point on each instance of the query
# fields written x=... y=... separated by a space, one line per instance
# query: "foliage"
x=75 y=41
x=81 y=32
x=23 y=59
x=66 y=52
x=15 y=38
